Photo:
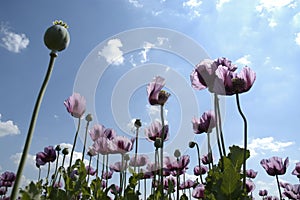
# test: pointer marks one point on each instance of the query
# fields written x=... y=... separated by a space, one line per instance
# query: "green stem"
x=199 y=162
x=62 y=164
x=48 y=172
x=219 y=122
x=97 y=168
x=245 y=139
x=55 y=172
x=103 y=163
x=85 y=136
x=38 y=102
x=145 y=189
x=217 y=132
x=39 y=177
x=278 y=185
x=136 y=147
x=162 y=148
x=75 y=139
x=88 y=173
x=106 y=165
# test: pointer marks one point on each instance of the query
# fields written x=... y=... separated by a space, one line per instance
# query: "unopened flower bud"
x=192 y=144
x=89 y=118
x=58 y=148
x=65 y=151
x=57 y=37
x=177 y=153
x=137 y=123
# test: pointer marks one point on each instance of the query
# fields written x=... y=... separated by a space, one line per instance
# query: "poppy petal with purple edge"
x=154 y=88
x=76 y=105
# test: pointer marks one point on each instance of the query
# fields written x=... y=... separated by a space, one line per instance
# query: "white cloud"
x=244 y=60
x=192 y=3
x=30 y=161
x=136 y=3
x=261 y=145
x=271 y=5
x=112 y=52
x=297 y=39
x=220 y=4
x=296 y=20
x=277 y=68
x=154 y=113
x=11 y=41
x=193 y=6
x=8 y=128
x=147 y=46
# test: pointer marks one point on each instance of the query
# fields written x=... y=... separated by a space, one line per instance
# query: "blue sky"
x=263 y=34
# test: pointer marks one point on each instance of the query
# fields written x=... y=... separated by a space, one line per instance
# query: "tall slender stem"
x=136 y=147
x=245 y=139
x=145 y=189
x=62 y=164
x=162 y=148
x=55 y=172
x=97 y=166
x=106 y=165
x=85 y=136
x=199 y=162
x=88 y=172
x=75 y=139
x=217 y=129
x=35 y=113
x=219 y=122
x=278 y=185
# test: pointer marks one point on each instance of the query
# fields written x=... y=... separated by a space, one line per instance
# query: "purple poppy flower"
x=177 y=167
x=204 y=74
x=275 y=166
x=117 y=166
x=168 y=181
x=296 y=171
x=262 y=193
x=76 y=105
x=187 y=184
x=205 y=124
x=235 y=83
x=141 y=160
x=90 y=170
x=250 y=173
x=122 y=144
x=156 y=96
x=49 y=155
x=97 y=131
x=206 y=160
x=7 y=178
x=155 y=131
x=200 y=171
x=250 y=186
x=107 y=175
x=227 y=63
x=198 y=192
x=104 y=146
x=292 y=191
x=146 y=174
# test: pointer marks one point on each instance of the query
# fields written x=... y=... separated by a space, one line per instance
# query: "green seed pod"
x=57 y=37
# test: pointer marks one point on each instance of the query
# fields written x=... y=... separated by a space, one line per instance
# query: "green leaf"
x=32 y=191
x=236 y=156
x=230 y=177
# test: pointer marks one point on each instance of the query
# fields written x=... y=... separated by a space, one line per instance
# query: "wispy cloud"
x=193 y=6
x=8 y=128
x=269 y=6
x=262 y=145
x=220 y=4
x=13 y=42
x=112 y=52
x=136 y=3
x=147 y=46
x=244 y=60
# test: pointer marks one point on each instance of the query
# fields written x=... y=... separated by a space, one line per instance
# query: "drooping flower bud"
x=192 y=144
x=137 y=123
x=89 y=118
x=177 y=153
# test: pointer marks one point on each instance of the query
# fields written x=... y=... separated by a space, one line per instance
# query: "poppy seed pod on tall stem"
x=56 y=42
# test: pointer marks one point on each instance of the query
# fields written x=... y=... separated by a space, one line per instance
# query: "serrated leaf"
x=230 y=178
x=236 y=156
